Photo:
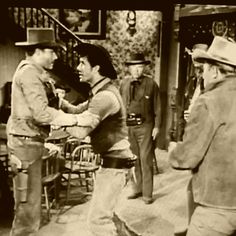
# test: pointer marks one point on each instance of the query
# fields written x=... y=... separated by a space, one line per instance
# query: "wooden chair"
x=84 y=163
x=51 y=180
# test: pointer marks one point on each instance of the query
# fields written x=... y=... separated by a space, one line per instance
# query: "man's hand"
x=186 y=115
x=155 y=132
x=171 y=146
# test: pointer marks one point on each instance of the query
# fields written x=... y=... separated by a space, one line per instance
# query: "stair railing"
x=40 y=17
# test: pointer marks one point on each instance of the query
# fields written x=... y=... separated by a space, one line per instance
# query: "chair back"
x=84 y=157
x=50 y=167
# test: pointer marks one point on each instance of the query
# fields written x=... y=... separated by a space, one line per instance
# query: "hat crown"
x=40 y=35
x=221 y=50
x=200 y=46
x=137 y=58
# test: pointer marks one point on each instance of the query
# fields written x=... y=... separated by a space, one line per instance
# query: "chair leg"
x=87 y=181
x=47 y=202
x=68 y=188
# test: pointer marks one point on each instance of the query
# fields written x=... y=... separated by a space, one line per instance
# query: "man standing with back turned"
x=208 y=147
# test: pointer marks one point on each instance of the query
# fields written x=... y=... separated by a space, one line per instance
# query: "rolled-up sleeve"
x=102 y=105
x=197 y=137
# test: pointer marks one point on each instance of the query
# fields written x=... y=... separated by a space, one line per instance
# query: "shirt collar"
x=99 y=85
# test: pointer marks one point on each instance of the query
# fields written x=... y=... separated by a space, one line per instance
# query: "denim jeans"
x=109 y=184
x=208 y=221
x=27 y=214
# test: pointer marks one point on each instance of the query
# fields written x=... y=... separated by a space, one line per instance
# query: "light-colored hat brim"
x=201 y=56
x=46 y=44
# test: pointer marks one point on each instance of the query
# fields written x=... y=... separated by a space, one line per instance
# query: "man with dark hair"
x=108 y=134
x=208 y=147
x=34 y=107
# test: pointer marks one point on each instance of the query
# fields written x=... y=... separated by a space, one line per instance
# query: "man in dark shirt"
x=141 y=97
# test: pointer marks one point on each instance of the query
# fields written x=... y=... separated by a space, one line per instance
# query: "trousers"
x=208 y=221
x=27 y=214
x=108 y=186
x=142 y=146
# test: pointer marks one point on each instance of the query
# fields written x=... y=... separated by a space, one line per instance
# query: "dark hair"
x=97 y=55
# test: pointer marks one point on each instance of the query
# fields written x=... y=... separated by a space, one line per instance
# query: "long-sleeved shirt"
x=102 y=105
x=31 y=113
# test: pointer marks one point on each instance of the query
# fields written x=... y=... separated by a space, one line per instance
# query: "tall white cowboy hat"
x=221 y=50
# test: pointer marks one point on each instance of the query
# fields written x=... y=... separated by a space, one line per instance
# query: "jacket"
x=147 y=100
x=31 y=112
x=208 y=147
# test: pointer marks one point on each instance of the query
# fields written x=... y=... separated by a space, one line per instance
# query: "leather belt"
x=118 y=163
x=30 y=138
x=134 y=119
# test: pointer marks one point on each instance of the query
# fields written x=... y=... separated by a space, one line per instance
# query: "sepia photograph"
x=117 y=122
x=84 y=23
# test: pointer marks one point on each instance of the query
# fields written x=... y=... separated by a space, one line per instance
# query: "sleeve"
x=37 y=101
x=198 y=135
x=74 y=109
x=157 y=105
x=102 y=105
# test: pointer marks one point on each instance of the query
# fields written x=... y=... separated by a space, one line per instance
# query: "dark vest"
x=112 y=129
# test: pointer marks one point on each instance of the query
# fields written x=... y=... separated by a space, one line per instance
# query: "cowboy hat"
x=100 y=56
x=43 y=37
x=137 y=58
x=221 y=50
x=198 y=46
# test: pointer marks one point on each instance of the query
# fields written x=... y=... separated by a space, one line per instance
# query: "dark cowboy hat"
x=42 y=37
x=221 y=50
x=98 y=56
x=137 y=58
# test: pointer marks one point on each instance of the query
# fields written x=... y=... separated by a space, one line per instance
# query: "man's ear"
x=96 y=68
x=38 y=51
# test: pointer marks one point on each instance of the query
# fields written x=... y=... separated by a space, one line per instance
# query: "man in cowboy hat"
x=208 y=147
x=141 y=97
x=109 y=136
x=34 y=107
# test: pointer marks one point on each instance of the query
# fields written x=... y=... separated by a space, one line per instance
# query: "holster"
x=21 y=182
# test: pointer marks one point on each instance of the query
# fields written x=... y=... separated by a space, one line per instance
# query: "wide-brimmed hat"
x=100 y=56
x=196 y=47
x=221 y=50
x=137 y=58
x=43 y=37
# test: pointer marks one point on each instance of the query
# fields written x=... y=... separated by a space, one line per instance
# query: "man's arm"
x=157 y=110
x=196 y=140
x=101 y=106
x=73 y=109
x=37 y=101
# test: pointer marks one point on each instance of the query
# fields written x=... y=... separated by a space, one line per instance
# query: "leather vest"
x=112 y=129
